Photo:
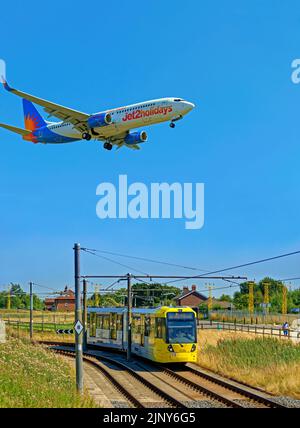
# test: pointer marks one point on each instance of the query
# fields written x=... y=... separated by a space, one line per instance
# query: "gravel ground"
x=287 y=401
x=248 y=403
x=204 y=404
x=120 y=404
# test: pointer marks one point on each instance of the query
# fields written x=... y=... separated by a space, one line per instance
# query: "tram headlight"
x=193 y=348
x=170 y=348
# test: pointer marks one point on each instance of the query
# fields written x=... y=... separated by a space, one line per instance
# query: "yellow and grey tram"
x=162 y=334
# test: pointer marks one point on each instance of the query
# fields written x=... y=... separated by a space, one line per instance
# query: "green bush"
x=259 y=352
x=31 y=376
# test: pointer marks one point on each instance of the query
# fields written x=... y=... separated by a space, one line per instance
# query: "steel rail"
x=94 y=362
x=97 y=361
x=236 y=387
x=203 y=389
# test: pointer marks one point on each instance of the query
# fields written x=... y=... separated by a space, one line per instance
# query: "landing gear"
x=172 y=125
x=86 y=136
x=107 y=146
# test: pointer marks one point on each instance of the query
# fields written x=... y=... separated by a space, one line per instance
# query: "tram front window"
x=181 y=327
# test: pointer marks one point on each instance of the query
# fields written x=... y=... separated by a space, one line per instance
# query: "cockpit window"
x=178 y=99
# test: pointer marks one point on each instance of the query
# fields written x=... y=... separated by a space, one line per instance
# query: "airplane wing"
x=129 y=146
x=77 y=118
x=118 y=140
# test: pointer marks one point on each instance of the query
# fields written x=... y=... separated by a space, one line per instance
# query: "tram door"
x=92 y=325
x=147 y=329
x=113 y=326
x=142 y=330
x=119 y=327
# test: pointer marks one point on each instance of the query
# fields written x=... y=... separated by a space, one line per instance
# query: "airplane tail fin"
x=19 y=131
x=32 y=118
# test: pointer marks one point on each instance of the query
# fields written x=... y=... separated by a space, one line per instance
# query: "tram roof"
x=136 y=310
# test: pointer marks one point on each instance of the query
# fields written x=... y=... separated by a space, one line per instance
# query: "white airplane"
x=113 y=127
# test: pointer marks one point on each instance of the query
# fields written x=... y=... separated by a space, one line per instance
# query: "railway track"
x=130 y=383
x=222 y=389
x=254 y=394
x=181 y=387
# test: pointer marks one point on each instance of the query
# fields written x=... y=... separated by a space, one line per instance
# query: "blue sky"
x=232 y=59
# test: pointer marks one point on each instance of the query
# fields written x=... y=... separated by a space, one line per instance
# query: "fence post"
x=31 y=312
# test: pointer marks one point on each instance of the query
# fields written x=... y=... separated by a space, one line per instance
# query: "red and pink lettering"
x=138 y=114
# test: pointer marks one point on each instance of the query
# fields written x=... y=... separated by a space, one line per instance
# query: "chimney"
x=194 y=287
x=185 y=290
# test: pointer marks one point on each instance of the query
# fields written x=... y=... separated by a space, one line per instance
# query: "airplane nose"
x=189 y=106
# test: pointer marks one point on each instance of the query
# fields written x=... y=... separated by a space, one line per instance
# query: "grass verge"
x=31 y=376
x=268 y=363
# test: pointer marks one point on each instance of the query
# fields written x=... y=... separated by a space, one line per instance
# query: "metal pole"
x=129 y=306
x=84 y=314
x=31 y=310
x=78 y=320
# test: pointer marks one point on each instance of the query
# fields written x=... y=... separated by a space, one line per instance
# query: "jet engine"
x=99 y=120
x=136 y=137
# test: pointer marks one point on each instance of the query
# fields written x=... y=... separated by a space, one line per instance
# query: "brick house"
x=63 y=303
x=191 y=298
x=49 y=304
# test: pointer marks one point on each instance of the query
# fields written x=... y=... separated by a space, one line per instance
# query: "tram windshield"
x=181 y=327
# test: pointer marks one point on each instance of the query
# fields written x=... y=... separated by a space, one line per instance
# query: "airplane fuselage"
x=122 y=120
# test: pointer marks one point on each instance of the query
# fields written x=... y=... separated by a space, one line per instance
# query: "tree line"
x=158 y=294
x=19 y=299
x=240 y=298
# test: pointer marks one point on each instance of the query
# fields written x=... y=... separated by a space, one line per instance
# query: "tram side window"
x=99 y=321
x=119 y=322
x=160 y=328
x=136 y=325
x=113 y=326
x=93 y=325
x=105 y=324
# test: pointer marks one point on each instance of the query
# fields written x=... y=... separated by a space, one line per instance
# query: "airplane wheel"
x=107 y=146
x=86 y=136
x=172 y=125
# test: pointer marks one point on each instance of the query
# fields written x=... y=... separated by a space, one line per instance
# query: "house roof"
x=222 y=303
x=66 y=295
x=195 y=293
